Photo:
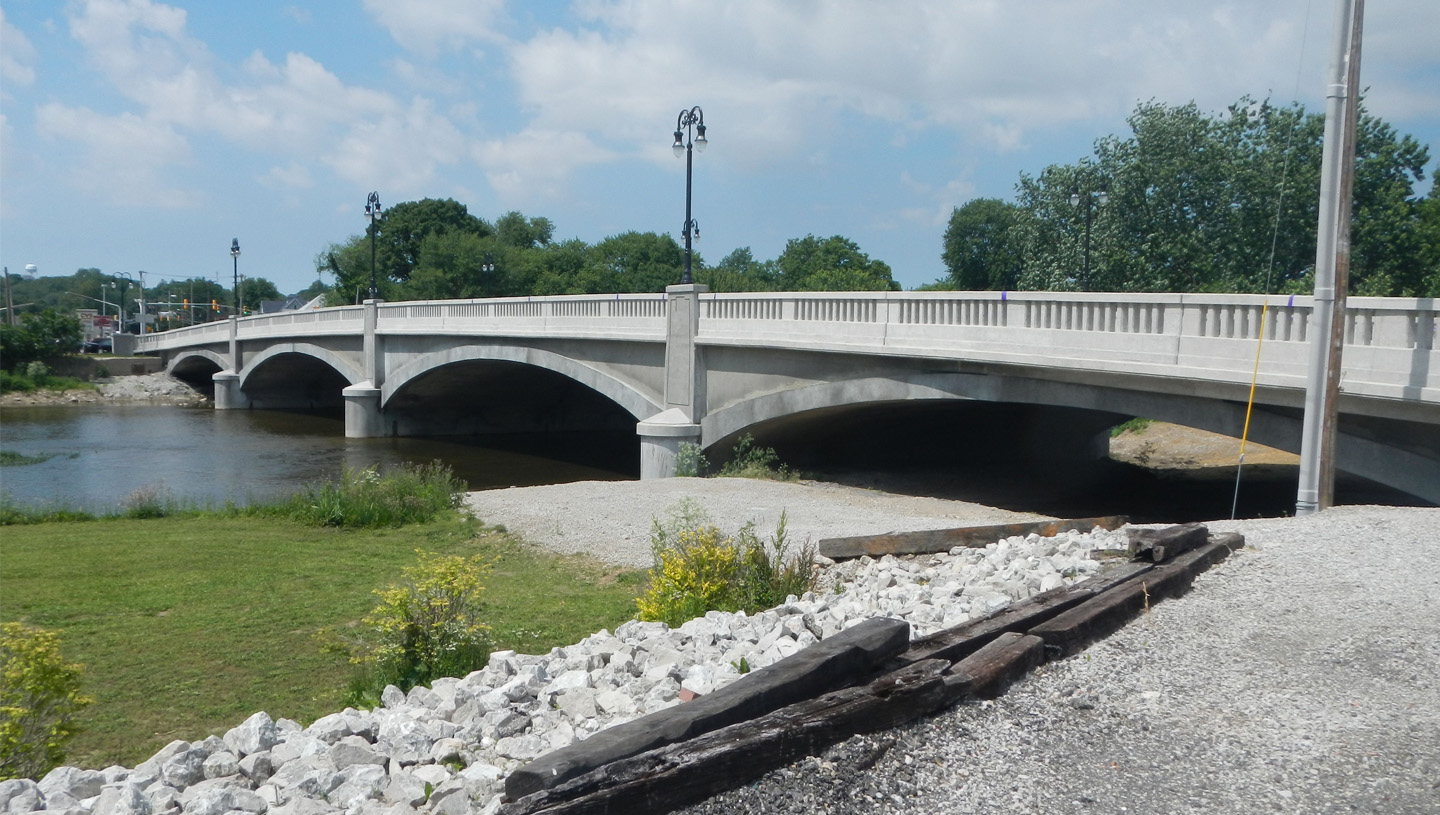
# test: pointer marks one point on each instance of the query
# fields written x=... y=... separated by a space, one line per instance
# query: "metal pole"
x=689 y=161
x=1085 y=285
x=141 y=326
x=1332 y=258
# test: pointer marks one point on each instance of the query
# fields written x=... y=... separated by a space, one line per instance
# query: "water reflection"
x=101 y=453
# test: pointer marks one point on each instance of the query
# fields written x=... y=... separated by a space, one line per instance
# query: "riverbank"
x=156 y=388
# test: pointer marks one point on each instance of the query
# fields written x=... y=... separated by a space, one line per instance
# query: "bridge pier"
x=660 y=438
x=362 y=412
x=227 y=391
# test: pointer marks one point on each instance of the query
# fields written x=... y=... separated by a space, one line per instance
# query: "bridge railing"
x=599 y=316
x=317 y=322
x=1208 y=336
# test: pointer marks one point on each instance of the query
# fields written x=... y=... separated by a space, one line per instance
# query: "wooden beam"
x=930 y=541
x=683 y=774
x=1156 y=545
x=1105 y=613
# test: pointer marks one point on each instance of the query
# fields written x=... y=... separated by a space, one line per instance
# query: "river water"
x=99 y=454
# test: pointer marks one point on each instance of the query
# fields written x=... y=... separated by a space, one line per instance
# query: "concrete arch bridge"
x=910 y=374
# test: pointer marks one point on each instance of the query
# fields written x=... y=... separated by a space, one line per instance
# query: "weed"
x=749 y=461
x=368 y=498
x=690 y=461
x=39 y=697
x=1134 y=425
x=698 y=569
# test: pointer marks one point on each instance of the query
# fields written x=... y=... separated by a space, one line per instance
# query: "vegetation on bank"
x=186 y=625
x=186 y=621
x=747 y=460
x=699 y=568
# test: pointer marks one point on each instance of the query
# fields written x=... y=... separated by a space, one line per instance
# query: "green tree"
x=830 y=264
x=515 y=230
x=739 y=271
x=399 y=237
x=40 y=337
x=254 y=290
x=983 y=245
x=1192 y=202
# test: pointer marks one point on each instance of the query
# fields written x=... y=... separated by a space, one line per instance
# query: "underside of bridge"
x=295 y=382
x=196 y=371
x=516 y=406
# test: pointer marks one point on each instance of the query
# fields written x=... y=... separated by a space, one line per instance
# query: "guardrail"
x=1390 y=342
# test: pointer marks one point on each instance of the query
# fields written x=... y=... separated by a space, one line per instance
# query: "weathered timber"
x=961 y=641
x=678 y=775
x=929 y=541
x=834 y=662
x=987 y=672
x=1105 y=613
x=1156 y=545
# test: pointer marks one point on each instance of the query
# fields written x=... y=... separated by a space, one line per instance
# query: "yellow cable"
x=1249 y=403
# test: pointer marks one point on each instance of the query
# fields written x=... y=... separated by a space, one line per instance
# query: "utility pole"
x=1332 y=264
x=9 y=301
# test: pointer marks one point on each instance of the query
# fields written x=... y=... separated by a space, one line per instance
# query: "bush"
x=423 y=628
x=405 y=494
x=749 y=461
x=149 y=501
x=698 y=569
x=690 y=461
x=39 y=697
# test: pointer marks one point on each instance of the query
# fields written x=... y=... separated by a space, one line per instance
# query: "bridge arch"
x=347 y=369
x=187 y=359
x=627 y=397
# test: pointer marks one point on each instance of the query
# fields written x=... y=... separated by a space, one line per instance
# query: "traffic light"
x=214 y=306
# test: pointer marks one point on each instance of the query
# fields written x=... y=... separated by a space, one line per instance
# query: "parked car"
x=99 y=345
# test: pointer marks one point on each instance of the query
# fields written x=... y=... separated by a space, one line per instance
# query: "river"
x=99 y=454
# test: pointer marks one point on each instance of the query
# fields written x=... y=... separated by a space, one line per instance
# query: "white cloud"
x=533 y=165
x=125 y=155
x=17 y=55
x=291 y=176
x=424 y=26
x=772 y=76
x=296 y=108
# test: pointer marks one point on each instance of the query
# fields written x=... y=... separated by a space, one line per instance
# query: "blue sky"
x=139 y=135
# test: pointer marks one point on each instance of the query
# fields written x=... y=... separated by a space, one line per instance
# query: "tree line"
x=1190 y=202
x=435 y=249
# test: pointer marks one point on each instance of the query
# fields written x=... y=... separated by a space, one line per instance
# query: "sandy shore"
x=612 y=519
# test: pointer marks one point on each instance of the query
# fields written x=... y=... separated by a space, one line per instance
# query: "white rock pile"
x=447 y=749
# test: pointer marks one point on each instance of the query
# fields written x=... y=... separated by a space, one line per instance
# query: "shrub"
x=1134 y=425
x=404 y=494
x=425 y=627
x=690 y=461
x=749 y=461
x=149 y=501
x=698 y=569
x=39 y=697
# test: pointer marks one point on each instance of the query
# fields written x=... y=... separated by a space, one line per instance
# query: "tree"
x=983 y=245
x=514 y=229
x=41 y=337
x=830 y=264
x=738 y=271
x=399 y=236
x=1192 y=204
x=254 y=290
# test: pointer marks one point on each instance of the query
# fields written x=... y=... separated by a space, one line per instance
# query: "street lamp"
x=124 y=285
x=372 y=211
x=1092 y=201
x=489 y=264
x=235 y=277
x=684 y=145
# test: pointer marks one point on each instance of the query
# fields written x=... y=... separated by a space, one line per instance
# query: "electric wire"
x=1270 y=268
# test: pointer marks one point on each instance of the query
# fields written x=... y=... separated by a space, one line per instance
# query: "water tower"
x=30 y=271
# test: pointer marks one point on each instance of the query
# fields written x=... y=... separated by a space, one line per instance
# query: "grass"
x=186 y=625
x=23 y=383
x=10 y=458
x=1134 y=425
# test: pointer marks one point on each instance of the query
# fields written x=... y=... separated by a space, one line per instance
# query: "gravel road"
x=1301 y=676
x=612 y=519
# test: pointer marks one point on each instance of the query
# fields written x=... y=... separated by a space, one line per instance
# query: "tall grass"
x=368 y=499
x=365 y=499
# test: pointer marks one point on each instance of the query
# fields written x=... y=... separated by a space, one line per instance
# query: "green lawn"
x=185 y=626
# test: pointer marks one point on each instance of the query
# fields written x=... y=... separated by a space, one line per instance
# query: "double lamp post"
x=690 y=121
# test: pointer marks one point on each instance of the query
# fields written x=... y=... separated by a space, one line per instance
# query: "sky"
x=140 y=135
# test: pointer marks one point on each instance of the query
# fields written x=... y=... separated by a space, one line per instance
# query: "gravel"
x=612 y=519
x=1302 y=675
